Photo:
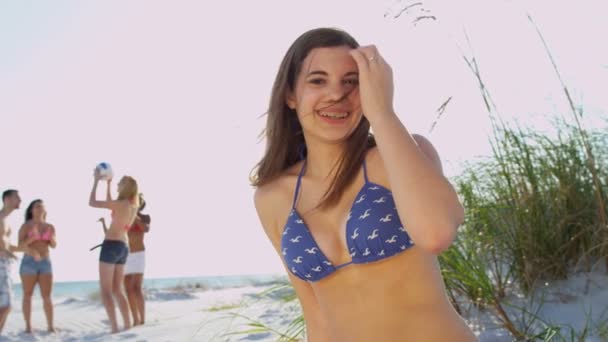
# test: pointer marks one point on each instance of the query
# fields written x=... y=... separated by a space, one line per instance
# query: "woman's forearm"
x=425 y=200
x=93 y=193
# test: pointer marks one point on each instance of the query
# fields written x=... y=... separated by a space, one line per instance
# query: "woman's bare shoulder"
x=26 y=225
x=280 y=188
x=273 y=200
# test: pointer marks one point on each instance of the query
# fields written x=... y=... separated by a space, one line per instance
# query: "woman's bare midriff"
x=42 y=247
x=120 y=219
x=136 y=241
x=117 y=233
x=401 y=298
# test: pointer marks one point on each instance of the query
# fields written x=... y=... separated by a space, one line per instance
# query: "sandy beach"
x=190 y=314
x=173 y=315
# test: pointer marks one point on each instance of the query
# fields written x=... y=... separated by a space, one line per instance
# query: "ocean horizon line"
x=86 y=288
x=17 y=280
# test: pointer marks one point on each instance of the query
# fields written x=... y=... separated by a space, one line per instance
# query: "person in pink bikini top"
x=37 y=237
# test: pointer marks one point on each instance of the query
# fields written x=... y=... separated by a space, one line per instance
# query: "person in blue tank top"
x=357 y=218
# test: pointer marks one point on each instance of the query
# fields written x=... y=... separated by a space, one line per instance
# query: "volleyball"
x=105 y=170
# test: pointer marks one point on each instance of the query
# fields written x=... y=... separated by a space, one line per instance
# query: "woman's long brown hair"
x=284 y=139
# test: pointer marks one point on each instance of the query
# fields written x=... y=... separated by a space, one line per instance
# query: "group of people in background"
x=121 y=259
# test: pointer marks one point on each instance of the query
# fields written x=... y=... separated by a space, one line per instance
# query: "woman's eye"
x=352 y=82
x=317 y=81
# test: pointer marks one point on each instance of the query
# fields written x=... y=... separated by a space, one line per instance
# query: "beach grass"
x=535 y=213
x=224 y=307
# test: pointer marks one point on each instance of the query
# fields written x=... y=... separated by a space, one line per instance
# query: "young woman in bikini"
x=37 y=237
x=114 y=249
x=136 y=263
x=358 y=219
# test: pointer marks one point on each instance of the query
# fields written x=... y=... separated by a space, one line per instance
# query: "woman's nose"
x=336 y=92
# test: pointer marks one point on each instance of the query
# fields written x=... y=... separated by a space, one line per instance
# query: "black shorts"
x=114 y=252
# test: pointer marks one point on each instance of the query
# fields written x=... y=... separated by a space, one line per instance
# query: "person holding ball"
x=114 y=249
x=136 y=263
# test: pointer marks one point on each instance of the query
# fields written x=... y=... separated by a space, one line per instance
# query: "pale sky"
x=186 y=81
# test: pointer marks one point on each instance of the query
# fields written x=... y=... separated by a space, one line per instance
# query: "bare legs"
x=46 y=287
x=111 y=278
x=133 y=285
x=28 y=282
x=3 y=315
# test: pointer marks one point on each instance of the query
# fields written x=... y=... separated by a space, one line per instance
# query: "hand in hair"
x=375 y=83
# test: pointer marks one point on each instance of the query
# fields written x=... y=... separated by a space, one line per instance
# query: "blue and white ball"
x=105 y=170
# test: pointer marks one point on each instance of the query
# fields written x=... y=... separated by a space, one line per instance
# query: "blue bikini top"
x=374 y=232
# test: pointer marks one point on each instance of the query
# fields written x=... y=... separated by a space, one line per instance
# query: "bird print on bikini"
x=393 y=239
x=374 y=231
x=373 y=235
x=365 y=215
x=386 y=218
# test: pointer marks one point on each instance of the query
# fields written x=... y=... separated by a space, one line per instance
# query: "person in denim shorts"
x=37 y=236
x=114 y=249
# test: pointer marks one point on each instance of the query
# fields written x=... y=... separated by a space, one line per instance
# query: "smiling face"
x=315 y=99
x=326 y=95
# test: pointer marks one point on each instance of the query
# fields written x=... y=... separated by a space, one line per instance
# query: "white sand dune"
x=571 y=304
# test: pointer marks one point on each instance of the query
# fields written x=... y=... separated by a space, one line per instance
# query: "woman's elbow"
x=459 y=215
x=439 y=240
